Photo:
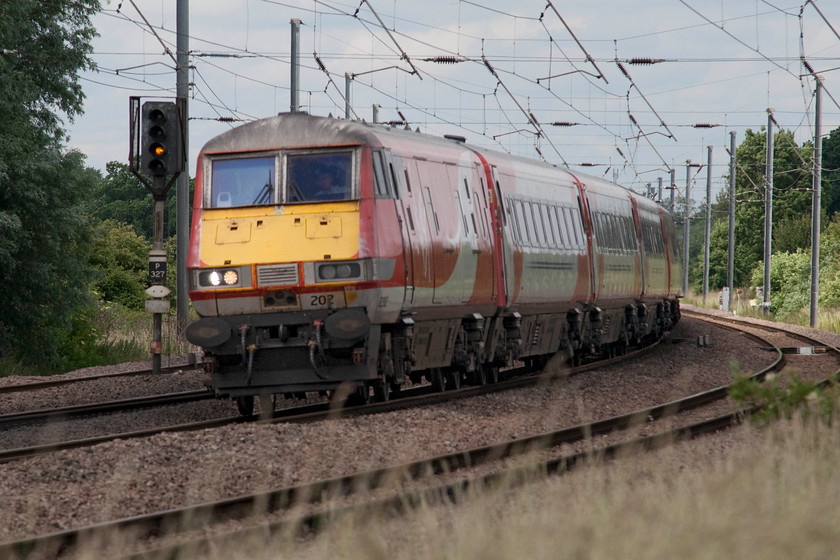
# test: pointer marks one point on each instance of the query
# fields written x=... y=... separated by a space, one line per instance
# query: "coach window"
x=381 y=176
x=430 y=209
x=563 y=238
x=461 y=211
x=519 y=215
x=631 y=234
x=319 y=176
x=548 y=226
x=578 y=226
x=513 y=228
x=242 y=182
x=617 y=233
x=407 y=180
x=394 y=164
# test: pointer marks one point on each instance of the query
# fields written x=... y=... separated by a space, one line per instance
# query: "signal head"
x=161 y=139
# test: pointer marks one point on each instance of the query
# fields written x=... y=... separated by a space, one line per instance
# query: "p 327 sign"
x=157 y=267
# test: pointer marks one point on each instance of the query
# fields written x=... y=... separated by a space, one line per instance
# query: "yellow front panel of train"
x=279 y=234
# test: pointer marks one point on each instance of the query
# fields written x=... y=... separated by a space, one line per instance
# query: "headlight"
x=226 y=278
x=338 y=271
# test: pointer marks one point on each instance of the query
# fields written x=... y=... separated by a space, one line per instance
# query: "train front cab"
x=284 y=270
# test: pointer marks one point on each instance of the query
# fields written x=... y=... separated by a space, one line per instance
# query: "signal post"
x=156 y=158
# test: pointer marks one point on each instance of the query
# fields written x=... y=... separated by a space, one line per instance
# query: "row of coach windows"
x=541 y=224
x=614 y=233
x=652 y=239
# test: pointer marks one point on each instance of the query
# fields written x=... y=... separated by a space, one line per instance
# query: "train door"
x=505 y=245
x=643 y=263
x=389 y=219
x=466 y=268
x=396 y=171
x=444 y=223
x=419 y=233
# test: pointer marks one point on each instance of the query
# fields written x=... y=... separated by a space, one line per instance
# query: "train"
x=334 y=255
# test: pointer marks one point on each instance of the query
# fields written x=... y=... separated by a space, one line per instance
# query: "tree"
x=791 y=204
x=43 y=235
x=830 y=186
x=120 y=257
x=121 y=197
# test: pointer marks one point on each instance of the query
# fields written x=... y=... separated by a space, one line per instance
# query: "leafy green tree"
x=790 y=275
x=830 y=187
x=120 y=257
x=43 y=236
x=790 y=281
x=791 y=205
x=830 y=264
x=123 y=198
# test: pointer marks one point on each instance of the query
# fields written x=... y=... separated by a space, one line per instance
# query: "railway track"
x=52 y=382
x=358 y=486
x=68 y=412
x=407 y=398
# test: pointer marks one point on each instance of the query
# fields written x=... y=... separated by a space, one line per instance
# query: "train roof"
x=311 y=130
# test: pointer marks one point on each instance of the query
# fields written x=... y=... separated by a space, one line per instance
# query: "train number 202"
x=322 y=300
x=329 y=300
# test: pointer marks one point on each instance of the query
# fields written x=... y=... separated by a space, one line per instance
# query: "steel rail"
x=20 y=387
x=63 y=413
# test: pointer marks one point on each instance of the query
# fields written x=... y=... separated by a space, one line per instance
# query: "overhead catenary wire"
x=593 y=126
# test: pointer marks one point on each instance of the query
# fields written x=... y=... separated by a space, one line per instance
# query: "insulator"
x=645 y=61
x=623 y=71
x=563 y=123
x=705 y=125
x=444 y=59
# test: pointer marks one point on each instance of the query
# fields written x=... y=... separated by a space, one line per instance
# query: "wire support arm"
x=404 y=55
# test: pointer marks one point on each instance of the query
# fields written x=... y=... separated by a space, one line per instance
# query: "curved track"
x=278 y=500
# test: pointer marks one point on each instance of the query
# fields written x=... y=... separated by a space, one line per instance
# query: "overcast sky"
x=723 y=64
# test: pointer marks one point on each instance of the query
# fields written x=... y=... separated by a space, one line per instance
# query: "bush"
x=783 y=395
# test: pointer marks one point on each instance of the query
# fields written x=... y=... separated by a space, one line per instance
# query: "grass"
x=114 y=335
x=777 y=498
x=827 y=319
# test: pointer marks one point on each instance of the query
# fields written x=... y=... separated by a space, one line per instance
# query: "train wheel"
x=491 y=373
x=245 y=405
x=382 y=391
x=453 y=379
x=479 y=376
x=438 y=379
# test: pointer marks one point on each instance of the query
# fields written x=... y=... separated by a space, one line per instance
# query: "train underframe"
x=297 y=352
